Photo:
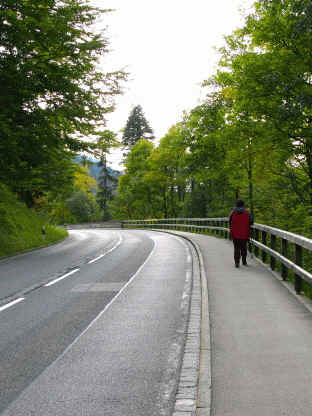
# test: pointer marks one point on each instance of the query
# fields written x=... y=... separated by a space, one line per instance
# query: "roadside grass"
x=21 y=227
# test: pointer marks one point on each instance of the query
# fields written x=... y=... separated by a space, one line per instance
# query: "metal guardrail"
x=107 y=224
x=266 y=239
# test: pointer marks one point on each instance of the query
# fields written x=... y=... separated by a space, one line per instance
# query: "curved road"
x=92 y=325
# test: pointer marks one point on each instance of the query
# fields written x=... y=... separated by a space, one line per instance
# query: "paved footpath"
x=261 y=337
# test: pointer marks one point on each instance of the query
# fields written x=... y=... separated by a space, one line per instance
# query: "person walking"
x=240 y=222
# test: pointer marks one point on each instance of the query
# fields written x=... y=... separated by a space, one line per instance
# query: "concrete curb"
x=193 y=396
x=187 y=389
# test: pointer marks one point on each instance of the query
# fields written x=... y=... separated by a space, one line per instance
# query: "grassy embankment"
x=21 y=227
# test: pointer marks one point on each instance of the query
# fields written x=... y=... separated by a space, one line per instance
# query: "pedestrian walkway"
x=261 y=338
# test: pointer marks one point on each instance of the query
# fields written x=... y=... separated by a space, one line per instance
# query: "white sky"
x=168 y=47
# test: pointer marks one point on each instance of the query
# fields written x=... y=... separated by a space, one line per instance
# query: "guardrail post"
x=249 y=242
x=298 y=280
x=264 y=238
x=256 y=236
x=273 y=247
x=284 y=253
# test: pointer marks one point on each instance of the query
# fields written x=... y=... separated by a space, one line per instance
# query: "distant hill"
x=95 y=170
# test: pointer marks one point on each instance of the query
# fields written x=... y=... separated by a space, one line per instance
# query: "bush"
x=21 y=228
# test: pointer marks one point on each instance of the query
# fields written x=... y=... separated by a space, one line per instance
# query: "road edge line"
x=204 y=385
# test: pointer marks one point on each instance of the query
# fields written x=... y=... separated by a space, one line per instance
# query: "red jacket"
x=240 y=222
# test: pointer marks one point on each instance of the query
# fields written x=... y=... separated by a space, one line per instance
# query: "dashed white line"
x=8 y=305
x=109 y=251
x=61 y=278
x=97 y=258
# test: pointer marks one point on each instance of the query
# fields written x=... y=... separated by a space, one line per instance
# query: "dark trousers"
x=240 y=250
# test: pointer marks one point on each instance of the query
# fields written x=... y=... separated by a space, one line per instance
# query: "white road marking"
x=97 y=258
x=61 y=278
x=8 y=305
x=109 y=251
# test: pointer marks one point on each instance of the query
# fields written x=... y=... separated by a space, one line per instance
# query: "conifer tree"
x=137 y=128
x=106 y=185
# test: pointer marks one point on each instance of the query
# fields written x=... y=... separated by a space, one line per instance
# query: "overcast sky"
x=168 y=47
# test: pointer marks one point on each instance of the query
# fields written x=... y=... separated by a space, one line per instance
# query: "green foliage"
x=82 y=208
x=138 y=195
x=21 y=227
x=52 y=94
x=168 y=171
x=77 y=206
x=136 y=128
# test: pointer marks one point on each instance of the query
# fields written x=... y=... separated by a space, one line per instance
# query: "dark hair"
x=240 y=203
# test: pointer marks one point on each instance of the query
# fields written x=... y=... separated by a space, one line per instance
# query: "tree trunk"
x=308 y=155
x=165 y=203
x=250 y=178
x=173 y=208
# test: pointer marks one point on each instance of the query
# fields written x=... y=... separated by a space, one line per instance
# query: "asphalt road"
x=92 y=325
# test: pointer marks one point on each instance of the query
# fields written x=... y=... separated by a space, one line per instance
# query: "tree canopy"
x=53 y=96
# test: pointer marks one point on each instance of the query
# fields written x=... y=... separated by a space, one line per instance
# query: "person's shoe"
x=245 y=263
x=236 y=265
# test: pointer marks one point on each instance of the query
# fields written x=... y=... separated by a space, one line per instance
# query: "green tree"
x=136 y=128
x=210 y=190
x=138 y=194
x=107 y=183
x=167 y=172
x=82 y=208
x=52 y=94
x=269 y=65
